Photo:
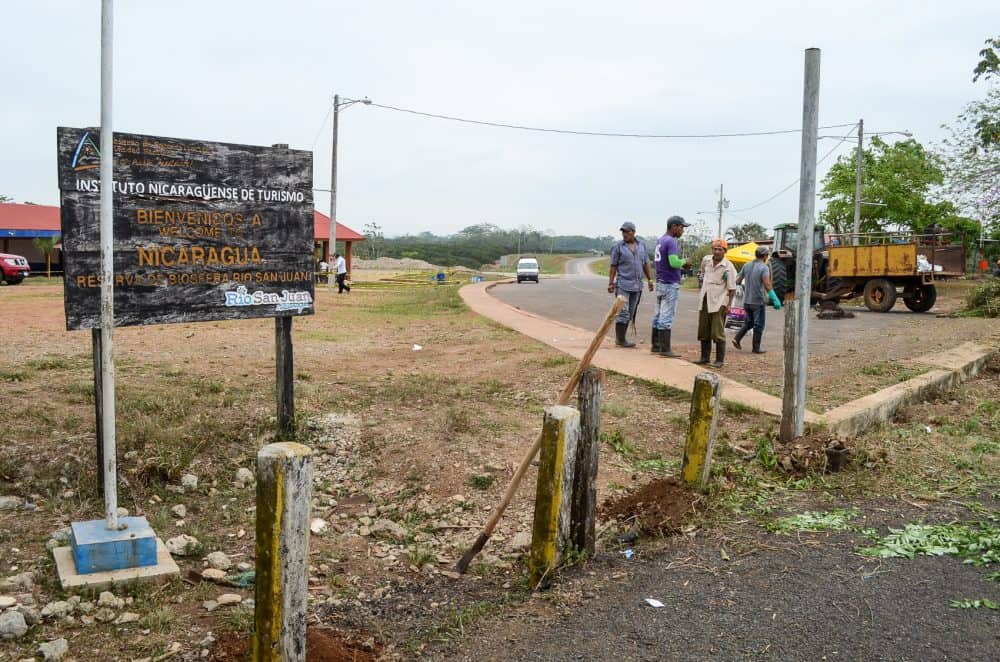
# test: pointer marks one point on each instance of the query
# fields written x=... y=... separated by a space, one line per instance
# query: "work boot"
x=706 y=353
x=756 y=345
x=654 y=343
x=720 y=354
x=620 y=329
x=665 y=345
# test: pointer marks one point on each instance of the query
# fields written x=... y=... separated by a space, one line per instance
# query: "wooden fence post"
x=550 y=533
x=584 y=510
x=701 y=432
x=284 y=492
x=285 y=376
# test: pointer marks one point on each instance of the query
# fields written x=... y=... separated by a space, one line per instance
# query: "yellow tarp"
x=740 y=255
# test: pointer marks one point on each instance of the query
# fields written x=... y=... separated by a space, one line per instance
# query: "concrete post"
x=284 y=492
x=700 y=442
x=794 y=400
x=550 y=533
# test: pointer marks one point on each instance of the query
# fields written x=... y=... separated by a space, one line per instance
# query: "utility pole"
x=723 y=204
x=857 y=185
x=333 y=192
x=796 y=336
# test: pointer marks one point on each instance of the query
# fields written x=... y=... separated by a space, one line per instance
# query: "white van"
x=527 y=269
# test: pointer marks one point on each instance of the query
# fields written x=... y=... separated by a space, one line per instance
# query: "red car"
x=14 y=268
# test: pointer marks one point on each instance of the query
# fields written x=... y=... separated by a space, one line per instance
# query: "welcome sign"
x=202 y=231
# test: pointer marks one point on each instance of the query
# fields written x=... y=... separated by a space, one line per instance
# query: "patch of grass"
x=51 y=363
x=616 y=439
x=555 y=361
x=656 y=464
x=814 y=521
x=875 y=369
x=458 y=421
x=614 y=409
x=765 y=453
x=239 y=618
x=481 y=481
x=14 y=375
x=453 y=629
x=159 y=620
x=665 y=391
x=736 y=408
x=419 y=556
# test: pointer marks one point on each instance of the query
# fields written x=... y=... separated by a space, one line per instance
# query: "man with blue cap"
x=629 y=262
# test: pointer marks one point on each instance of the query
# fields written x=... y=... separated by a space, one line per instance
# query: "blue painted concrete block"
x=96 y=549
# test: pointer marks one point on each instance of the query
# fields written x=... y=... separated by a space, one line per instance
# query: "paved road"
x=581 y=298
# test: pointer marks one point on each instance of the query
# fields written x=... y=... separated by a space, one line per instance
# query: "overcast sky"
x=264 y=72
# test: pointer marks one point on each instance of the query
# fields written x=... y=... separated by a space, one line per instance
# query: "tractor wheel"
x=880 y=295
x=779 y=277
x=921 y=299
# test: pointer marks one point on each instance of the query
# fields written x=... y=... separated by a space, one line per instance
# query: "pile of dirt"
x=659 y=507
x=392 y=264
x=811 y=453
x=322 y=645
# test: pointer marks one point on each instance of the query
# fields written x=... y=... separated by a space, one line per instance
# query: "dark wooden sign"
x=202 y=230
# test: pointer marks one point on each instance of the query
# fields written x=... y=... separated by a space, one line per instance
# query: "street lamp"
x=337 y=105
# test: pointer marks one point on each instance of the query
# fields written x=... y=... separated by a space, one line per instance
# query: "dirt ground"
x=419 y=411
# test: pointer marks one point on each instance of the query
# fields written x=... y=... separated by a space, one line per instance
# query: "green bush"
x=984 y=300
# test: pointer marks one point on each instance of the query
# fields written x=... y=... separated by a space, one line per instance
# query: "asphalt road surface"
x=581 y=298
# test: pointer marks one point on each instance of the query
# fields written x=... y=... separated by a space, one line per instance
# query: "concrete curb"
x=954 y=367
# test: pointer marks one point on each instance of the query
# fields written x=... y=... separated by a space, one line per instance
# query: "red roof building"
x=21 y=223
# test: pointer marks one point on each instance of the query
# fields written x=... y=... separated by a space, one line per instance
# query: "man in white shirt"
x=340 y=266
x=715 y=298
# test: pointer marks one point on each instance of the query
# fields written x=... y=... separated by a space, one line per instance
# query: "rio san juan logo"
x=296 y=301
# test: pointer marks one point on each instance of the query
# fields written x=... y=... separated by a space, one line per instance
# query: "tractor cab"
x=786 y=239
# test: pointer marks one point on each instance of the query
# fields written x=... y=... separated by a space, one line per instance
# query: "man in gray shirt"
x=629 y=262
x=756 y=280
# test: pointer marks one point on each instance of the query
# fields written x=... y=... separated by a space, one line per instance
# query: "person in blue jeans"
x=629 y=263
x=756 y=280
x=669 y=264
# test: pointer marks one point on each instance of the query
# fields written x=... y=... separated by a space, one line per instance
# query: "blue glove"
x=774 y=299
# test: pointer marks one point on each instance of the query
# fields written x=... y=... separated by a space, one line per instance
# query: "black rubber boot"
x=706 y=353
x=620 y=329
x=736 y=341
x=720 y=354
x=756 y=345
x=665 y=345
x=654 y=343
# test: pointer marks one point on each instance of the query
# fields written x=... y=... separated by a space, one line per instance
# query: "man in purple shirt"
x=669 y=264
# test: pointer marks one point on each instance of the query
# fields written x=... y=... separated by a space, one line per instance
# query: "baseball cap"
x=677 y=220
x=628 y=225
x=761 y=251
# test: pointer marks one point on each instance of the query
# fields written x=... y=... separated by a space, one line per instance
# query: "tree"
x=971 y=152
x=374 y=239
x=5 y=198
x=46 y=245
x=899 y=177
x=989 y=66
x=749 y=231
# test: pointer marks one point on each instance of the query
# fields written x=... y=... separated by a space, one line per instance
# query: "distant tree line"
x=476 y=245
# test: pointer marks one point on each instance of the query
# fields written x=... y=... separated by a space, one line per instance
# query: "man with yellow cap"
x=715 y=298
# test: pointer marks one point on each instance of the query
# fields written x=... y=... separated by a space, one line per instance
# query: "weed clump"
x=984 y=300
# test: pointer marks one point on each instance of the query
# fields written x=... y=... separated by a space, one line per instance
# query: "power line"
x=521 y=127
x=820 y=160
x=321 y=126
